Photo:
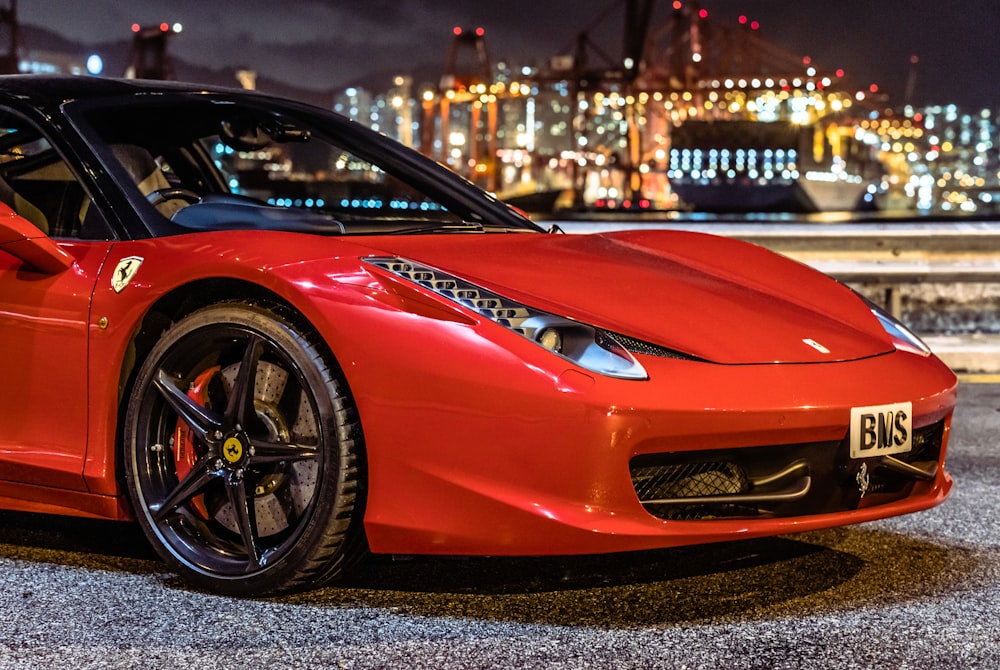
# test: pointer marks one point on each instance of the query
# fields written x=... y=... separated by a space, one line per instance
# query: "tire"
x=246 y=485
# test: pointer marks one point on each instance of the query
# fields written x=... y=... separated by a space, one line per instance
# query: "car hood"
x=710 y=297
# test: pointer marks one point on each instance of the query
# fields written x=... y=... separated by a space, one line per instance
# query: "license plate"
x=881 y=430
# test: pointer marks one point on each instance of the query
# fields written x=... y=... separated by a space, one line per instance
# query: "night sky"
x=325 y=44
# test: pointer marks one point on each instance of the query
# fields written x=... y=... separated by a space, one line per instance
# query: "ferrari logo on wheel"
x=232 y=450
x=124 y=272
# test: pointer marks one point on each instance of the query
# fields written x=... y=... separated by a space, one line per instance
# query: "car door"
x=45 y=313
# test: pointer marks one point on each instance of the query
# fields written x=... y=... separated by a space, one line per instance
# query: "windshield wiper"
x=430 y=227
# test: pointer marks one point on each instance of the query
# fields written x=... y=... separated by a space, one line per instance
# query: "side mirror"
x=21 y=239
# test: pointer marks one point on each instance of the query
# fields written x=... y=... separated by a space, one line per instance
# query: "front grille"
x=780 y=480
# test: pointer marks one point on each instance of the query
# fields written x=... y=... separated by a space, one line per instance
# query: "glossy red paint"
x=479 y=441
x=44 y=320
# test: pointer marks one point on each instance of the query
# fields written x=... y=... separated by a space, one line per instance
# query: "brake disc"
x=284 y=489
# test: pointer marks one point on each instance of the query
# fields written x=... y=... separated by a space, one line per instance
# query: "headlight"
x=902 y=337
x=588 y=347
x=591 y=348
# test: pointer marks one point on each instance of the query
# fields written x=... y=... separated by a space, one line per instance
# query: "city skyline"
x=325 y=45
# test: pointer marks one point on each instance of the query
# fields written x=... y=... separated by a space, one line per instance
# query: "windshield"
x=206 y=163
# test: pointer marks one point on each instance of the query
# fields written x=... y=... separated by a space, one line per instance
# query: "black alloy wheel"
x=243 y=454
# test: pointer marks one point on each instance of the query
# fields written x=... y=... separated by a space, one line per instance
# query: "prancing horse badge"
x=124 y=272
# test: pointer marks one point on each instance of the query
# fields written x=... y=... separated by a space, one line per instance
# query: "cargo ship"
x=742 y=165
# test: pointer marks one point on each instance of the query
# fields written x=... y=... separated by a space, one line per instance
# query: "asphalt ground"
x=921 y=591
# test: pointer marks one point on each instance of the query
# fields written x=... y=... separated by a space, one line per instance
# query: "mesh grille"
x=640 y=347
x=688 y=480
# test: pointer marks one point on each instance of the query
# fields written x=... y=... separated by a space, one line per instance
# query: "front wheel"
x=243 y=454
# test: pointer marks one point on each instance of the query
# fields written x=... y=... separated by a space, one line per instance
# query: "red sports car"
x=279 y=341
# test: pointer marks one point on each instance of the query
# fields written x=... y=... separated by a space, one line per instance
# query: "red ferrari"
x=279 y=341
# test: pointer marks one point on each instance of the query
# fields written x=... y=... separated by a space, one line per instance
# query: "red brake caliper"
x=185 y=454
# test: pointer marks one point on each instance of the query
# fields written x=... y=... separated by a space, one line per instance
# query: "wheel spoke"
x=273 y=452
x=239 y=409
x=194 y=483
x=246 y=516
x=203 y=421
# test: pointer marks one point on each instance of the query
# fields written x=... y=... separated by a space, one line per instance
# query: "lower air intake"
x=781 y=480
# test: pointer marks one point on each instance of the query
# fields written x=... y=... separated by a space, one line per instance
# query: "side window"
x=38 y=184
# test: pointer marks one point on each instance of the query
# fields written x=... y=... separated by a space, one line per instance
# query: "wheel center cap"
x=232 y=450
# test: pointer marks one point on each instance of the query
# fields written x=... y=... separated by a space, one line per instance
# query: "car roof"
x=53 y=90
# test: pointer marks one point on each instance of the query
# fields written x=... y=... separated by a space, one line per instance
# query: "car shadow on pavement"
x=75 y=541
x=801 y=575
